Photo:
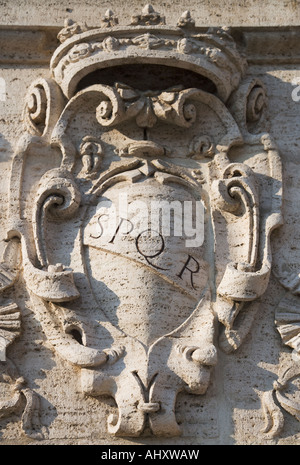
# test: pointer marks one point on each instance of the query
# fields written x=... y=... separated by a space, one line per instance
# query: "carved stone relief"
x=131 y=116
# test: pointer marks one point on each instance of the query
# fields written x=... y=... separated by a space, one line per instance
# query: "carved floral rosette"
x=137 y=310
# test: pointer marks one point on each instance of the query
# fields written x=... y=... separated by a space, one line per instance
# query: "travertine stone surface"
x=205 y=12
x=115 y=328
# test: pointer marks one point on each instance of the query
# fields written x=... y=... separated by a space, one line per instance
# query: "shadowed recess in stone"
x=149 y=76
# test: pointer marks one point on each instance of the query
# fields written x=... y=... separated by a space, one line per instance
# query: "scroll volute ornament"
x=137 y=311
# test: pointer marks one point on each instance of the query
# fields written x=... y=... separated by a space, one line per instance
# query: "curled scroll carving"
x=147 y=107
x=42 y=106
x=255 y=103
x=248 y=103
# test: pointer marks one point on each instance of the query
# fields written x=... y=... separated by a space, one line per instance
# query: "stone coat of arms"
x=137 y=122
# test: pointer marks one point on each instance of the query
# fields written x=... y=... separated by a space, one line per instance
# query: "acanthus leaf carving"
x=10 y=327
x=23 y=399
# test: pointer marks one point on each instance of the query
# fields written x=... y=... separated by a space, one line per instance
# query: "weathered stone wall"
x=249 y=13
x=239 y=402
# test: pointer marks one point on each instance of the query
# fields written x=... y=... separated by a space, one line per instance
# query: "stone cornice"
x=34 y=45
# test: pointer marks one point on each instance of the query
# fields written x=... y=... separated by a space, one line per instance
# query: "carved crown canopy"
x=212 y=55
x=157 y=113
